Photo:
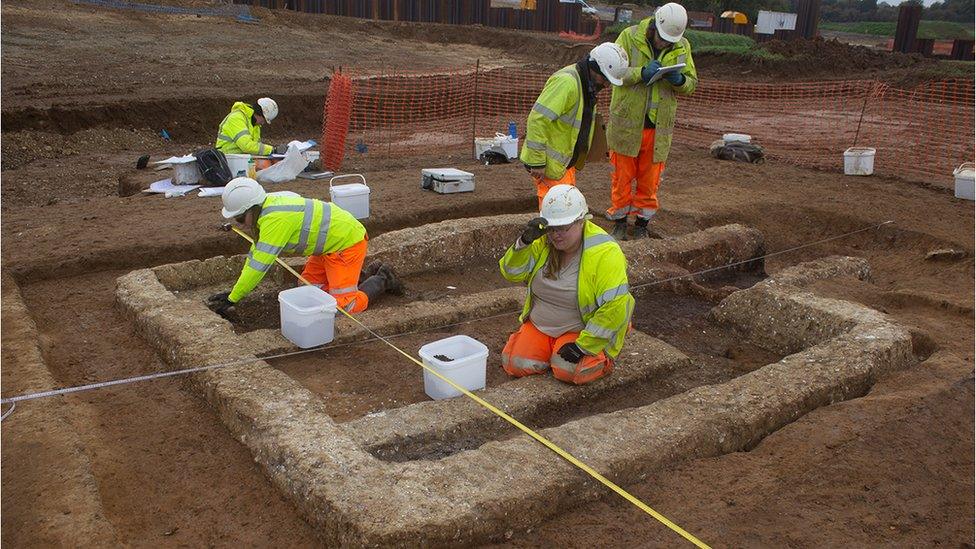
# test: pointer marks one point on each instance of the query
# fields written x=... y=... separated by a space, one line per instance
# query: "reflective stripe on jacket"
x=295 y=225
x=237 y=135
x=634 y=100
x=554 y=124
x=603 y=294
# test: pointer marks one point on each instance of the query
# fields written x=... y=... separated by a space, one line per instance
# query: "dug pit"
x=368 y=459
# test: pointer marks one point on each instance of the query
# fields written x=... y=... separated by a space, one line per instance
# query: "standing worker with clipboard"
x=642 y=114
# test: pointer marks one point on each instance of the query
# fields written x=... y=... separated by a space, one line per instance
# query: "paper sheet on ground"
x=211 y=191
x=177 y=160
x=166 y=186
x=302 y=147
x=665 y=70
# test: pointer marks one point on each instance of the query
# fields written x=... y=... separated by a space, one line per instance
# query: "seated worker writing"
x=578 y=306
x=333 y=240
x=240 y=131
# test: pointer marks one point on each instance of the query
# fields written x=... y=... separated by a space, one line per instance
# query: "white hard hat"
x=269 y=109
x=671 y=20
x=612 y=60
x=562 y=205
x=240 y=194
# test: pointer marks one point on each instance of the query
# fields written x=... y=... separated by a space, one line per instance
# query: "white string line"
x=248 y=360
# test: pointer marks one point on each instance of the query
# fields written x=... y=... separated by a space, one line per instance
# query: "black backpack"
x=213 y=166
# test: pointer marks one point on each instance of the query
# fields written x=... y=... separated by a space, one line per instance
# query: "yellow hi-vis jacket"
x=603 y=295
x=297 y=225
x=237 y=135
x=554 y=124
x=634 y=100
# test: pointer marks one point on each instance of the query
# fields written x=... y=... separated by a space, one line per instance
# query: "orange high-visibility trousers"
x=542 y=185
x=529 y=352
x=624 y=198
x=338 y=274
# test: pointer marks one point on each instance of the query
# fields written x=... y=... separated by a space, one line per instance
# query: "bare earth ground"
x=894 y=467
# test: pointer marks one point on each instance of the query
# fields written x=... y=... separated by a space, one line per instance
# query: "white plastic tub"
x=501 y=143
x=238 y=164
x=307 y=316
x=965 y=176
x=859 y=161
x=467 y=367
x=352 y=197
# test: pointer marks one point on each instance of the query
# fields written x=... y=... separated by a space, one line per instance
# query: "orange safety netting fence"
x=922 y=133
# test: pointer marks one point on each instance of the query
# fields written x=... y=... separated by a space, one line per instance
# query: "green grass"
x=716 y=42
x=940 y=30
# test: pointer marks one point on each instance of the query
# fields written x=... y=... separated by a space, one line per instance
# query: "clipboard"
x=665 y=70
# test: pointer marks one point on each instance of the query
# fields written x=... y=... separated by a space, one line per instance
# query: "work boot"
x=370 y=270
x=373 y=287
x=620 y=230
x=641 y=230
x=393 y=284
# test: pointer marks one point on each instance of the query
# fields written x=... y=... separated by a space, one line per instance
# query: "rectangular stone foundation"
x=477 y=490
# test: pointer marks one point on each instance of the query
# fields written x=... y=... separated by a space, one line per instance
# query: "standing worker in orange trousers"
x=642 y=114
x=560 y=126
x=334 y=241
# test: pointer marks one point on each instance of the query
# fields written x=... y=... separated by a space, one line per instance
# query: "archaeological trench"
x=348 y=435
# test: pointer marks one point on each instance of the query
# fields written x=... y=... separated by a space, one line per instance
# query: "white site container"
x=740 y=137
x=859 y=161
x=965 y=176
x=352 y=197
x=446 y=180
x=307 y=316
x=238 y=164
x=467 y=367
x=501 y=144
x=186 y=173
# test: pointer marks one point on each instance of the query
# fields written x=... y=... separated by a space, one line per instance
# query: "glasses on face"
x=563 y=229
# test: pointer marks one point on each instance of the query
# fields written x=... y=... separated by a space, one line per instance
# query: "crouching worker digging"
x=332 y=239
x=577 y=311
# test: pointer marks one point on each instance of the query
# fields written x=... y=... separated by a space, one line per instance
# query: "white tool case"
x=446 y=180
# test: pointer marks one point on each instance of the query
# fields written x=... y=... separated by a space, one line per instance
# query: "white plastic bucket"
x=467 y=366
x=859 y=161
x=352 y=197
x=237 y=164
x=307 y=316
x=965 y=176
x=186 y=174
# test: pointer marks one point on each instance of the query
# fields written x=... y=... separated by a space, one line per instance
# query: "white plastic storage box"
x=446 y=180
x=501 y=144
x=352 y=197
x=238 y=164
x=737 y=137
x=965 y=176
x=307 y=316
x=461 y=359
x=859 y=161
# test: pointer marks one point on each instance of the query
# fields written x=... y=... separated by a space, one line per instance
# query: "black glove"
x=280 y=149
x=220 y=303
x=571 y=353
x=534 y=229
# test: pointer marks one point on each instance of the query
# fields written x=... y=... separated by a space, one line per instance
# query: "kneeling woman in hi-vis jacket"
x=333 y=240
x=578 y=308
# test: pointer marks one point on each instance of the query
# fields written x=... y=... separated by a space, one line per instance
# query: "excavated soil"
x=894 y=467
x=261 y=311
x=364 y=378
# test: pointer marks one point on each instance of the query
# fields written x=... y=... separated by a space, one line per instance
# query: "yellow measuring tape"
x=522 y=427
